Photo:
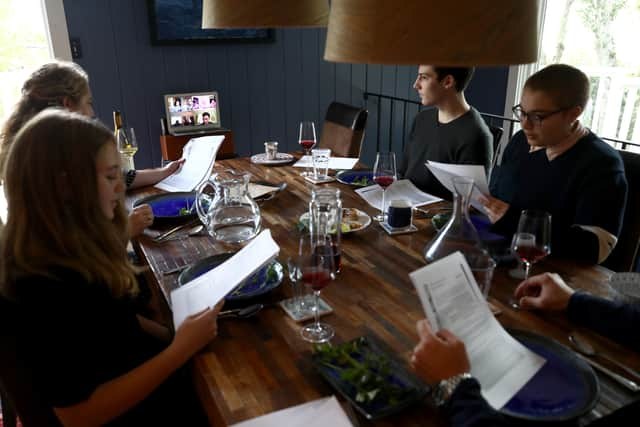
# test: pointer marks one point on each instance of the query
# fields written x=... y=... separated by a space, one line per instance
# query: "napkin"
x=321 y=412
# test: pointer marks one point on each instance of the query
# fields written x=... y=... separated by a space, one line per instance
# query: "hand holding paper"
x=439 y=354
x=445 y=172
x=197 y=331
x=210 y=288
x=200 y=155
x=451 y=299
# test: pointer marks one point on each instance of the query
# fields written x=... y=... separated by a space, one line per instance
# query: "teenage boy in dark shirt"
x=557 y=165
x=451 y=132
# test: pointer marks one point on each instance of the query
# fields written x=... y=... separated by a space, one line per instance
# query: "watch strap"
x=445 y=388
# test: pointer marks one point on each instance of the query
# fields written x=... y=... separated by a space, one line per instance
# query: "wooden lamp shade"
x=264 y=13
x=455 y=33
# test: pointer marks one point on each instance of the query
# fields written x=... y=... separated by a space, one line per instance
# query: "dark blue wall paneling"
x=265 y=89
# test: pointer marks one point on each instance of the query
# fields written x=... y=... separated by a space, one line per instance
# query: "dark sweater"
x=72 y=336
x=467 y=407
x=585 y=185
x=465 y=140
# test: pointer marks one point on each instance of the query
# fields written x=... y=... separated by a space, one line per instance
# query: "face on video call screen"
x=193 y=110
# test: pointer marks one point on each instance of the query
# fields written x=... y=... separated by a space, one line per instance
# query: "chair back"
x=16 y=378
x=343 y=130
x=497 y=132
x=625 y=255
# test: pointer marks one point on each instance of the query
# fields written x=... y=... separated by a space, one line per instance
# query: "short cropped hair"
x=566 y=85
x=462 y=76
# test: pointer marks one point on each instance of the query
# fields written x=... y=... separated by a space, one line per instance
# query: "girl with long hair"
x=66 y=273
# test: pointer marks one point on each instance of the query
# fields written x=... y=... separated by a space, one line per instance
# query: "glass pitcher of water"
x=231 y=215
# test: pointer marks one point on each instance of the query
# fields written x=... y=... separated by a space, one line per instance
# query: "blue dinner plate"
x=262 y=281
x=355 y=178
x=564 y=388
x=170 y=207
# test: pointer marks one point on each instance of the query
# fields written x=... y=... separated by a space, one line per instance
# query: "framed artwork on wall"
x=180 y=22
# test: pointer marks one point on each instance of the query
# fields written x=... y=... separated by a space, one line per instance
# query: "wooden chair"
x=16 y=380
x=343 y=130
x=625 y=255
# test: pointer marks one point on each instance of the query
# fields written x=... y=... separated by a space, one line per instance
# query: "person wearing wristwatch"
x=441 y=360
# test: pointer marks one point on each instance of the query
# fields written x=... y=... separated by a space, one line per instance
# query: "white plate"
x=362 y=218
x=281 y=158
x=627 y=285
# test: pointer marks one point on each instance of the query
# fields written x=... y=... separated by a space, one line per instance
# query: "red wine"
x=317 y=279
x=307 y=144
x=531 y=254
x=384 y=180
x=331 y=251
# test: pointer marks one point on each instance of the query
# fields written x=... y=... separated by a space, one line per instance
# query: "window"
x=26 y=43
x=599 y=37
x=33 y=32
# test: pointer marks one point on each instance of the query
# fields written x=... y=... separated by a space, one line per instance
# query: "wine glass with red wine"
x=532 y=240
x=384 y=174
x=316 y=263
x=307 y=140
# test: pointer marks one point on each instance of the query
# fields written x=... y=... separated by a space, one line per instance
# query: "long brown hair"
x=54 y=218
x=45 y=87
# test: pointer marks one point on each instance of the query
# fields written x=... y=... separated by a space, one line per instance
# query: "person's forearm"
x=154 y=328
x=117 y=396
x=616 y=321
x=147 y=177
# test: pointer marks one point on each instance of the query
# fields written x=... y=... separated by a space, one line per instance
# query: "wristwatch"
x=445 y=388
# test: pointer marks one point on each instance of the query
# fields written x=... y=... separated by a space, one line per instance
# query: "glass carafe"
x=325 y=217
x=231 y=215
x=459 y=234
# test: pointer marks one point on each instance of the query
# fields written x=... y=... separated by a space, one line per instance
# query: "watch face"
x=445 y=388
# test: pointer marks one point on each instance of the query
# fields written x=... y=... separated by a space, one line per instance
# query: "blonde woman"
x=66 y=85
x=66 y=273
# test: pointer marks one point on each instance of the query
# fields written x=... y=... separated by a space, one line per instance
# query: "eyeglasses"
x=535 y=118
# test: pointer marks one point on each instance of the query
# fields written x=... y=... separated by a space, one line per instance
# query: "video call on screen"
x=193 y=110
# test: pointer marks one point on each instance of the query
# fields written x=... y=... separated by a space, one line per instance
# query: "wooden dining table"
x=261 y=364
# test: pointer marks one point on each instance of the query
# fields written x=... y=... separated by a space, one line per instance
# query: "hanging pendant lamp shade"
x=463 y=32
x=264 y=13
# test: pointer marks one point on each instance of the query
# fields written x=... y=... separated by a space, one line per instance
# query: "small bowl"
x=627 y=287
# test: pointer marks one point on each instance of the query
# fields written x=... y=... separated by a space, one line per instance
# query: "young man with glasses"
x=557 y=165
x=452 y=132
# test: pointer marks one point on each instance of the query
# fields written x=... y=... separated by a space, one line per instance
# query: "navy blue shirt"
x=585 y=185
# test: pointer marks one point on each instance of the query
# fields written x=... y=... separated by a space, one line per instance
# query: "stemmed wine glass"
x=307 y=140
x=127 y=146
x=316 y=265
x=384 y=174
x=532 y=240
